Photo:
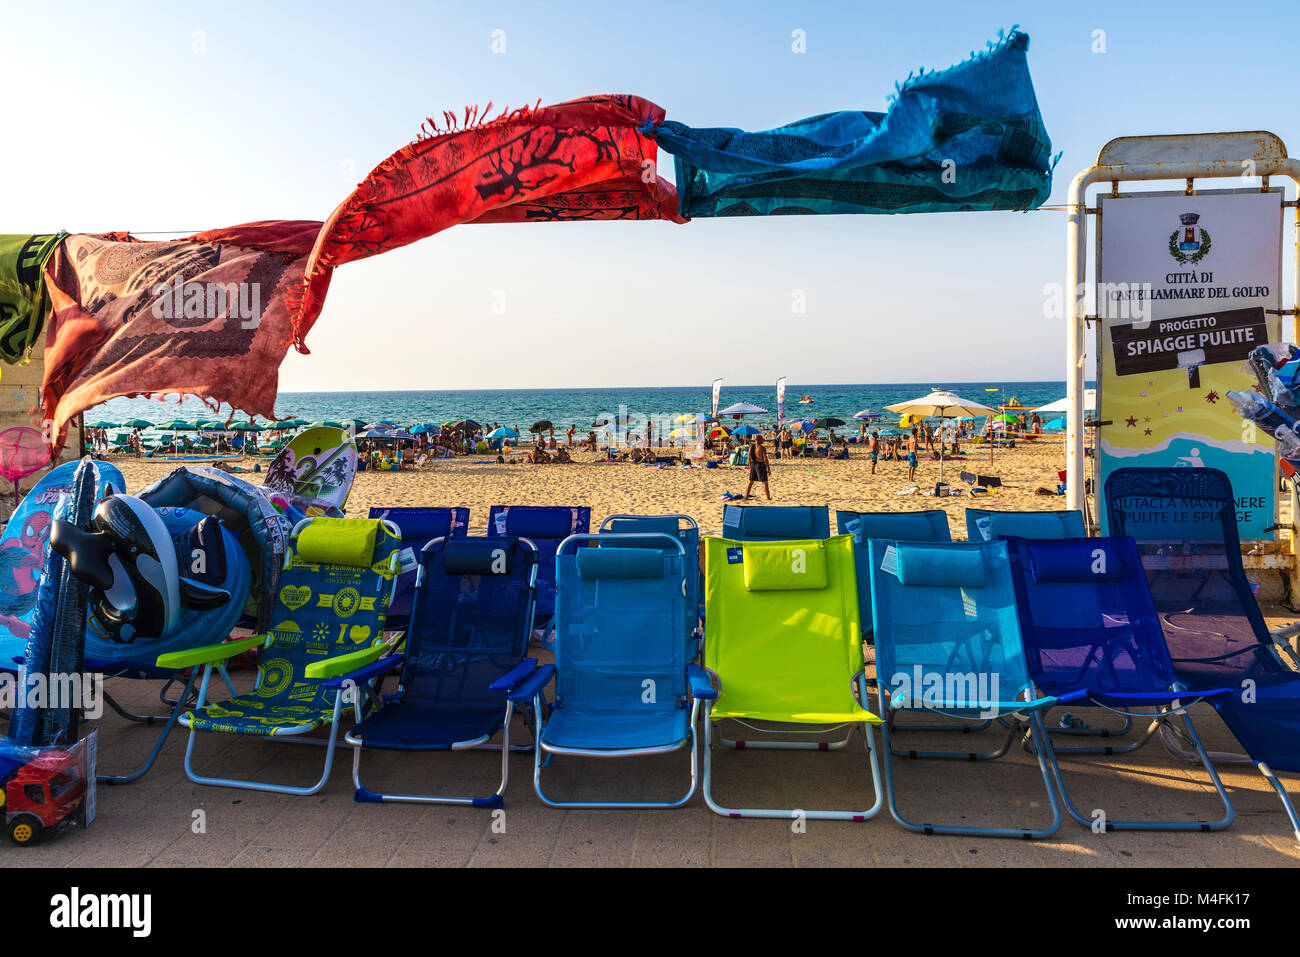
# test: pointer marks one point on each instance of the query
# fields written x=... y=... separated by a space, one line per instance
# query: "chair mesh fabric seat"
x=775 y=523
x=621 y=647
x=689 y=536
x=947 y=635
x=783 y=654
x=1088 y=621
x=930 y=525
x=545 y=526
x=471 y=619
x=988 y=525
x=419 y=525
x=1185 y=523
x=322 y=610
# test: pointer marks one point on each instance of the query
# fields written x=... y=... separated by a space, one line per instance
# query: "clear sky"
x=180 y=116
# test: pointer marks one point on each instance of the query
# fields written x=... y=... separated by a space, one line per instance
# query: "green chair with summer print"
x=328 y=626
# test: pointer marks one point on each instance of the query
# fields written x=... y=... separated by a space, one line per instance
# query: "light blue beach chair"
x=988 y=525
x=622 y=681
x=775 y=523
x=328 y=625
x=930 y=525
x=948 y=641
x=687 y=532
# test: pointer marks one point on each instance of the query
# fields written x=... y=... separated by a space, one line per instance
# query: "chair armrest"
x=209 y=654
x=534 y=683
x=512 y=677
x=365 y=672
x=701 y=686
x=1071 y=696
x=340 y=665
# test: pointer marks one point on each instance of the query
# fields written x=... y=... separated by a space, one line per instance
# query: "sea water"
x=521 y=408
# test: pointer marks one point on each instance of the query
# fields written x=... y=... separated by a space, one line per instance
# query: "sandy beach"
x=478 y=482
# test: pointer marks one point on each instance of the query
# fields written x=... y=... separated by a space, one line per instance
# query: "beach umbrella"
x=940 y=403
x=1061 y=405
x=176 y=425
x=102 y=425
x=541 y=426
x=422 y=428
x=504 y=432
x=326 y=425
x=868 y=414
x=682 y=434
x=137 y=424
x=802 y=425
x=830 y=422
x=242 y=427
x=745 y=430
x=719 y=431
x=742 y=409
x=383 y=424
x=466 y=425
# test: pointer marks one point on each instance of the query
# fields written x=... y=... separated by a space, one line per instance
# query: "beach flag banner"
x=970 y=137
x=717 y=394
x=780 y=402
x=1188 y=286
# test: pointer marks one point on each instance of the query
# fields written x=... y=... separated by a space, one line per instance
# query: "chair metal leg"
x=170 y=722
x=1036 y=723
x=791 y=813
x=539 y=763
x=1287 y=806
x=262 y=785
x=1110 y=825
x=365 y=795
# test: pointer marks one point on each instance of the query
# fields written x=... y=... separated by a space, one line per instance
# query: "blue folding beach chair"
x=1091 y=635
x=419 y=525
x=930 y=525
x=686 y=531
x=775 y=523
x=1185 y=523
x=621 y=645
x=465 y=649
x=988 y=525
x=545 y=526
x=948 y=641
x=328 y=623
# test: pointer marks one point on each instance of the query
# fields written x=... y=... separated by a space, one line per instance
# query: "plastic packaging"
x=1260 y=410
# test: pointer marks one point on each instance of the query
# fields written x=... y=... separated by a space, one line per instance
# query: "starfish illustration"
x=1131 y=422
x=1211 y=397
x=1147 y=431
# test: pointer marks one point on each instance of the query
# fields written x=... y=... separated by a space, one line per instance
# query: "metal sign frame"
x=1187 y=157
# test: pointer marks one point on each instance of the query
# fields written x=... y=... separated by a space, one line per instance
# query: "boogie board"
x=23 y=545
x=315 y=470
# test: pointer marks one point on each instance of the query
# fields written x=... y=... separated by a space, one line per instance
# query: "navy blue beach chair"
x=545 y=526
x=1185 y=523
x=465 y=650
x=419 y=525
x=1091 y=635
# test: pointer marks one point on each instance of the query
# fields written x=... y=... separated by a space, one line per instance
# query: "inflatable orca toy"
x=129 y=561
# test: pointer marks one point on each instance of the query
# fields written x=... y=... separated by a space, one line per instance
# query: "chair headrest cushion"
x=479 y=556
x=785 y=566
x=940 y=567
x=901 y=527
x=338 y=541
x=606 y=562
x=1061 y=562
x=777 y=521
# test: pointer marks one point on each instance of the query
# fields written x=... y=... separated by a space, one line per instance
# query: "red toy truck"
x=45 y=788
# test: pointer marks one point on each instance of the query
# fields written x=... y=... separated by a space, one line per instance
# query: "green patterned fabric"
x=321 y=611
x=23 y=299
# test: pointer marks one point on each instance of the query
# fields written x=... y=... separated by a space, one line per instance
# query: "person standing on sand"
x=912 y=446
x=758 y=467
x=873 y=448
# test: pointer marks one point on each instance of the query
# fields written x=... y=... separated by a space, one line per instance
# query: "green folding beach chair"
x=328 y=626
x=784 y=647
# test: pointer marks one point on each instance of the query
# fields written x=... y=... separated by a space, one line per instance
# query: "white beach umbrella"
x=942 y=404
x=1061 y=406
